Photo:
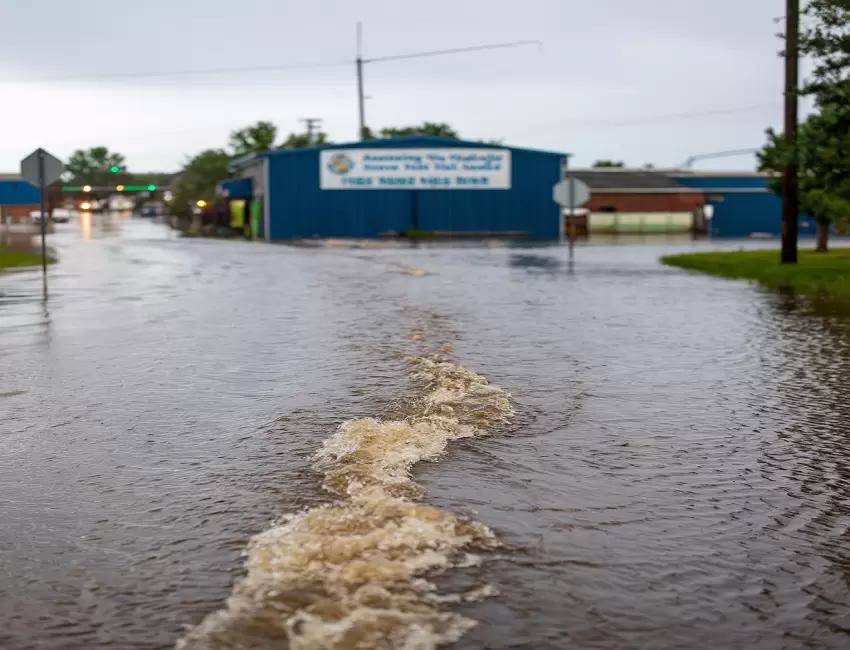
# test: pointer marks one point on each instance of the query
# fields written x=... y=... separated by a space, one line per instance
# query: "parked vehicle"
x=60 y=215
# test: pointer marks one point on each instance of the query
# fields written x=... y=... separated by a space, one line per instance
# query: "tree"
x=439 y=129
x=257 y=138
x=198 y=179
x=609 y=163
x=823 y=157
x=823 y=145
x=302 y=140
x=95 y=167
x=826 y=39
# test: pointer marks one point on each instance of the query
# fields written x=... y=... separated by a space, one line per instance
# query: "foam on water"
x=352 y=574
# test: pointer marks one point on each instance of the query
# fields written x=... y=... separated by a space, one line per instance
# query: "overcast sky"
x=649 y=81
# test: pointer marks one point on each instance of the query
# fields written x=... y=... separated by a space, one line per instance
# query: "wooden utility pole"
x=312 y=124
x=361 y=99
x=359 y=62
x=790 y=201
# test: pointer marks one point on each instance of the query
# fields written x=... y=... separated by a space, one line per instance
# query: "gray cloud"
x=603 y=65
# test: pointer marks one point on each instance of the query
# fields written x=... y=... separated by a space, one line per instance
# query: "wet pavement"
x=676 y=473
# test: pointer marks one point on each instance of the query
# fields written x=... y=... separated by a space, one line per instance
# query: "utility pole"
x=361 y=100
x=360 y=61
x=312 y=124
x=790 y=201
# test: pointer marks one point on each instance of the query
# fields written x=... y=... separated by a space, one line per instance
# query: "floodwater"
x=235 y=445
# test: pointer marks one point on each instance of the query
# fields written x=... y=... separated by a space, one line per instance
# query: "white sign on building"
x=415 y=169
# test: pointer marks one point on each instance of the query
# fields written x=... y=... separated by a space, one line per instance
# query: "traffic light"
x=86 y=188
x=151 y=188
x=120 y=188
x=115 y=169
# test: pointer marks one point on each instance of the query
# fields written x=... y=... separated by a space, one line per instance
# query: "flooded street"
x=664 y=464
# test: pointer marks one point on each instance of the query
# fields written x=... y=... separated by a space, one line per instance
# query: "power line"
x=455 y=50
x=177 y=73
x=671 y=116
x=259 y=68
x=360 y=61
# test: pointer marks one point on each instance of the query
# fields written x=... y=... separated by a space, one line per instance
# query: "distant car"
x=60 y=215
x=148 y=211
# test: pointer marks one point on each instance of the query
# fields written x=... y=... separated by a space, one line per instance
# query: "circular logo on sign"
x=340 y=164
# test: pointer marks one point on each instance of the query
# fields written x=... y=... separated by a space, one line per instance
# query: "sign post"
x=41 y=168
x=569 y=193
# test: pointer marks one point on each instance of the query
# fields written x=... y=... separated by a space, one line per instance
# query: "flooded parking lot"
x=673 y=472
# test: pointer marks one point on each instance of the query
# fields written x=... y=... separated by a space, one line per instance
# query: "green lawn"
x=10 y=258
x=826 y=274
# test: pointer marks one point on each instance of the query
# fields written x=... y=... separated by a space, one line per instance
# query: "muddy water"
x=624 y=456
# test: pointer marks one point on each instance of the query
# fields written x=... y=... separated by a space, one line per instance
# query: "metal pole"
x=790 y=201
x=361 y=104
x=43 y=223
x=561 y=234
x=572 y=195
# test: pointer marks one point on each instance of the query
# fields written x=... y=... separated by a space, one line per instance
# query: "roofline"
x=408 y=138
x=614 y=170
x=243 y=162
x=647 y=190
x=745 y=174
x=737 y=190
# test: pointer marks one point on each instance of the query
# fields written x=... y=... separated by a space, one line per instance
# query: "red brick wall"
x=16 y=213
x=649 y=202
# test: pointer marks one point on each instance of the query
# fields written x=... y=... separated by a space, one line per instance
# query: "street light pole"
x=790 y=200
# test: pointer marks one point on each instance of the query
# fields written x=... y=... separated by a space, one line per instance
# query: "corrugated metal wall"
x=745 y=206
x=15 y=192
x=299 y=208
x=237 y=188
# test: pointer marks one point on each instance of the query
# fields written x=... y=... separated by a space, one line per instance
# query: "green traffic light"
x=115 y=169
x=151 y=187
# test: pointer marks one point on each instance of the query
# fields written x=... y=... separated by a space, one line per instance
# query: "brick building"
x=17 y=199
x=640 y=201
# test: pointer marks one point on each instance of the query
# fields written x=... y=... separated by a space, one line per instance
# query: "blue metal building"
x=235 y=188
x=354 y=190
x=743 y=204
x=15 y=191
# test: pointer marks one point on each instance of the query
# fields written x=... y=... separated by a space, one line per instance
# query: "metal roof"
x=627 y=180
x=409 y=140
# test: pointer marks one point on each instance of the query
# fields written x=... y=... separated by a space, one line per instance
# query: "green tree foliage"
x=302 y=140
x=257 y=138
x=822 y=152
x=94 y=167
x=200 y=175
x=609 y=163
x=826 y=39
x=823 y=157
x=198 y=179
x=439 y=129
